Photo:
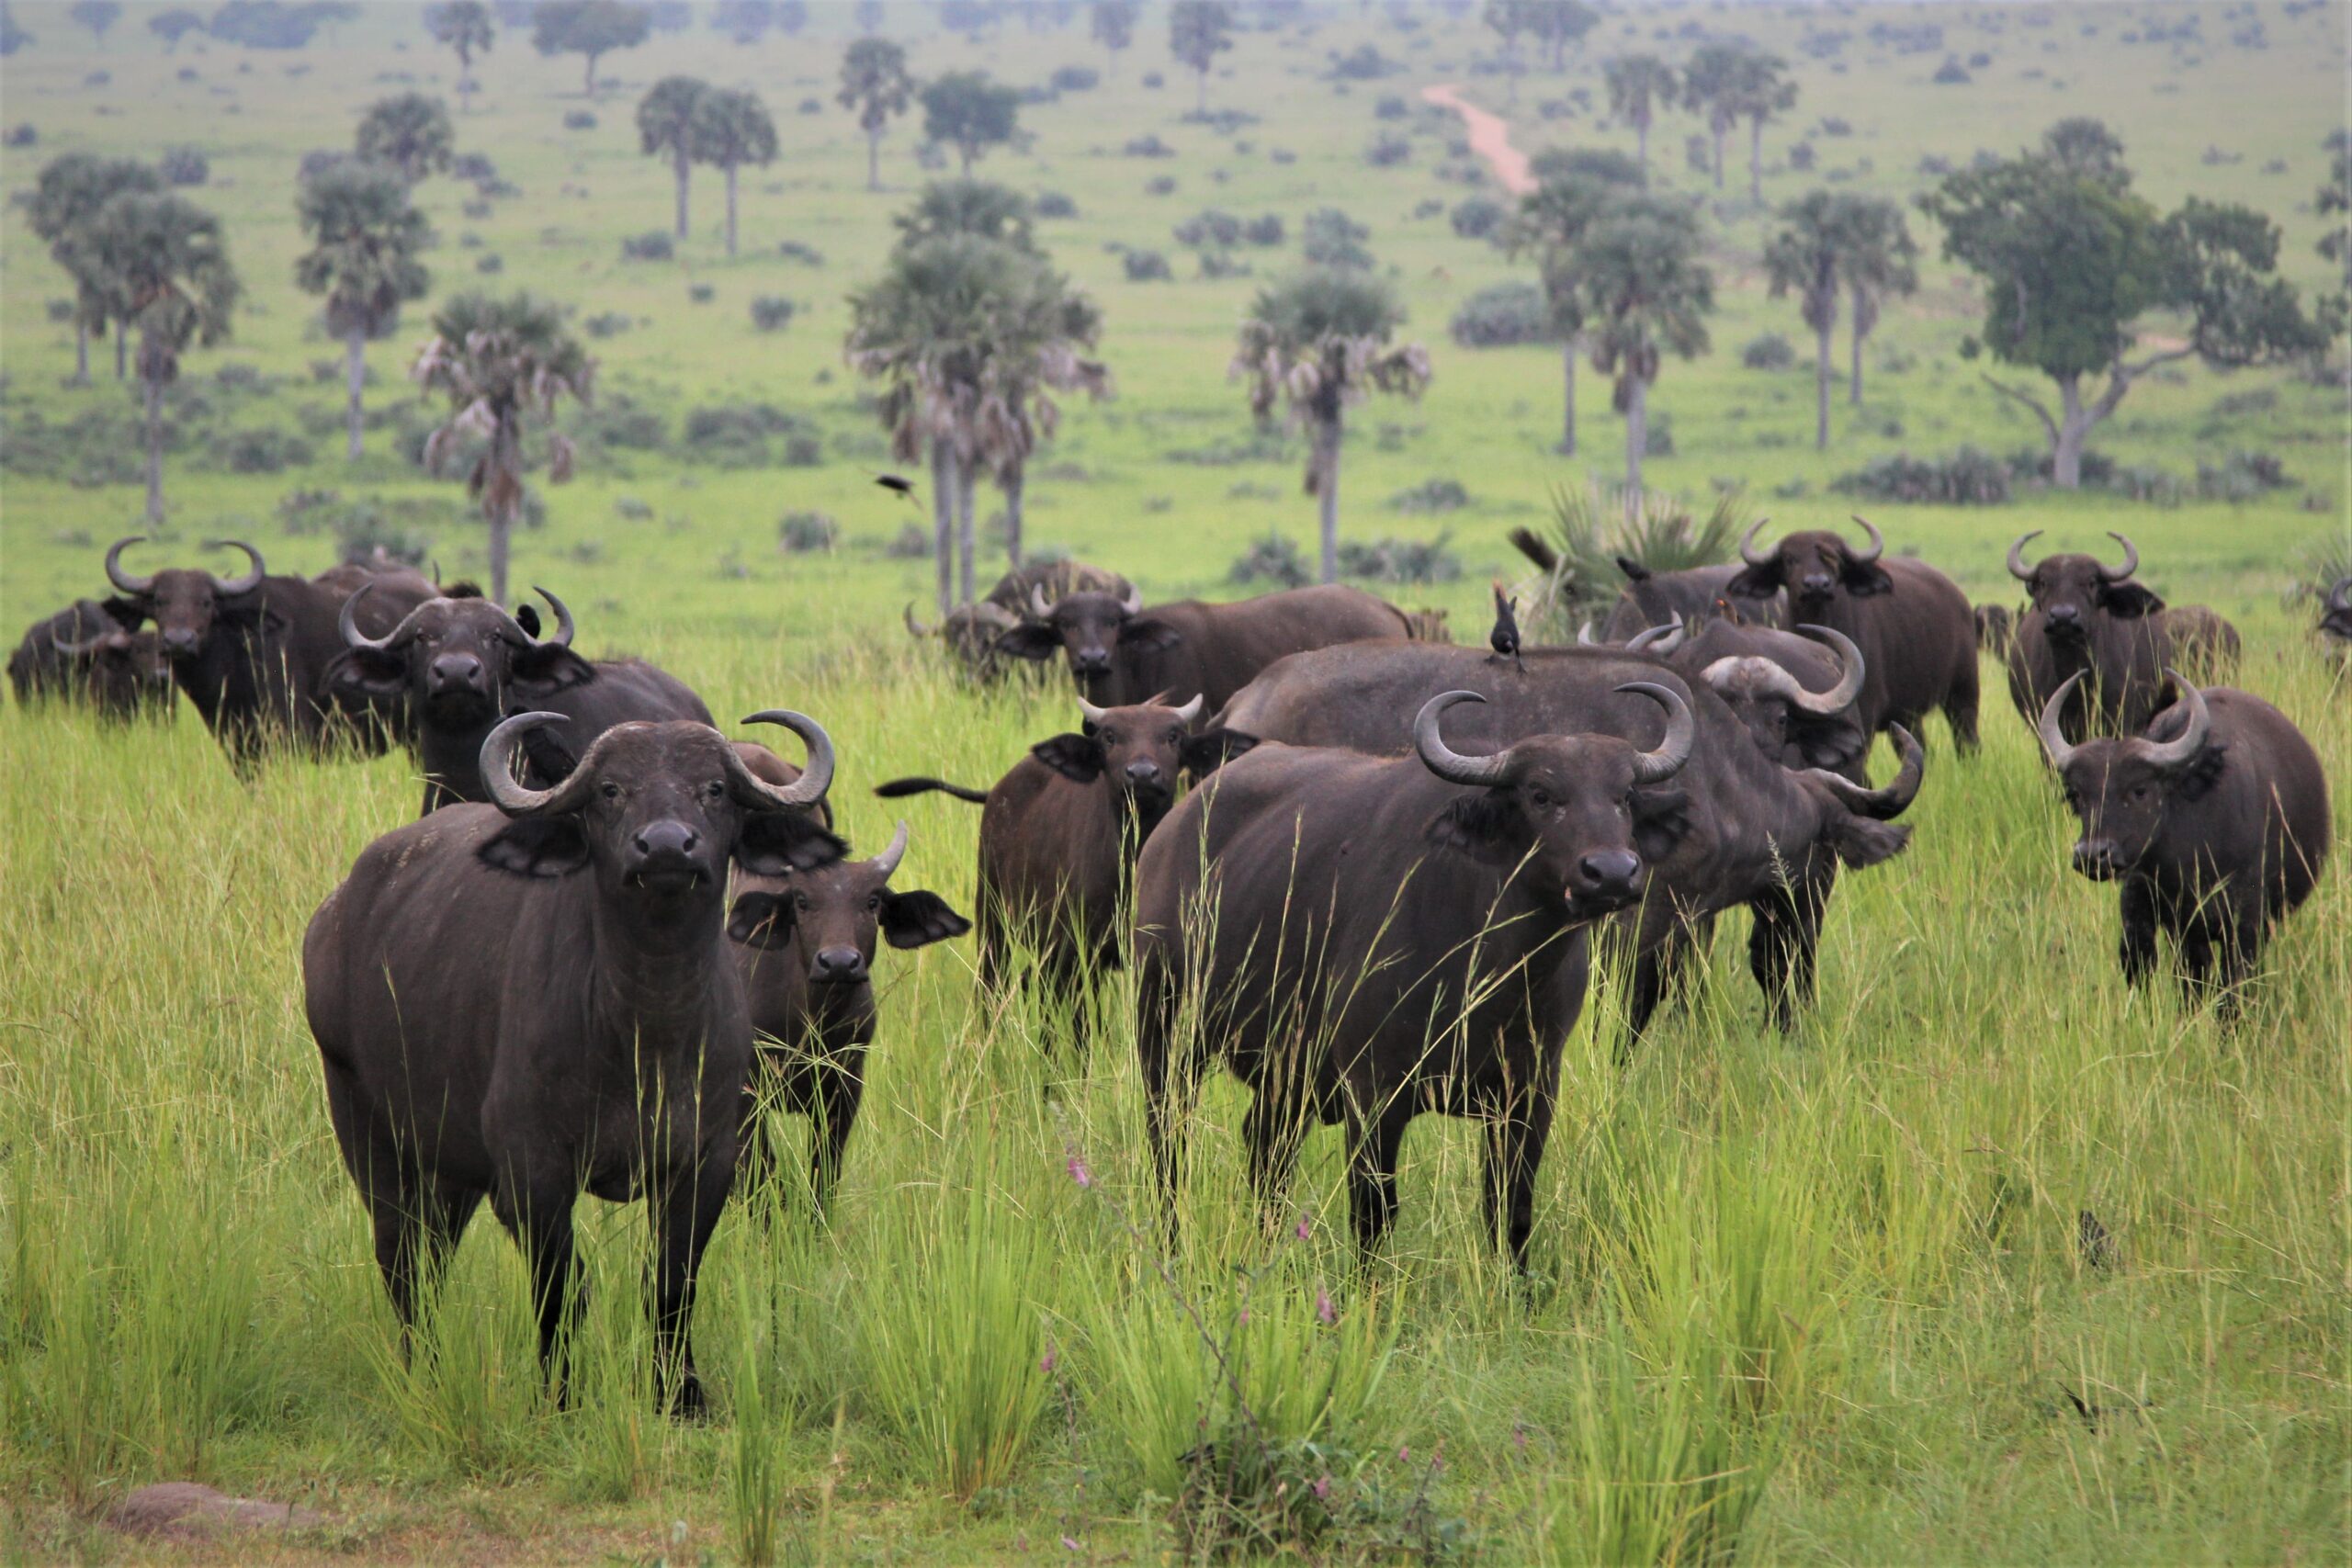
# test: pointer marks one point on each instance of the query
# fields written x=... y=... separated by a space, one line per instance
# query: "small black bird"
x=2098 y=1247
x=1504 y=638
x=897 y=486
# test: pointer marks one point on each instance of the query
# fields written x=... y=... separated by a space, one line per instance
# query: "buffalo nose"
x=180 y=641
x=840 y=964
x=2066 y=615
x=1093 y=662
x=456 y=670
x=1610 y=871
x=2094 y=857
x=1143 y=771
x=1817 y=582
x=667 y=837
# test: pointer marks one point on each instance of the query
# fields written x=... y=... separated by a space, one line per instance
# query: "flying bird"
x=1504 y=638
x=898 y=485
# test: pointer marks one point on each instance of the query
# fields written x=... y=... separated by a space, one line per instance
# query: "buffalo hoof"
x=688 y=1402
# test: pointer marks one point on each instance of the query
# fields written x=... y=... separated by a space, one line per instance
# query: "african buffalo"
x=1997 y=629
x=251 y=653
x=2335 y=614
x=2092 y=620
x=805 y=946
x=1760 y=834
x=1060 y=830
x=1913 y=624
x=2215 y=820
x=970 y=631
x=1702 y=593
x=1795 y=693
x=530 y=999
x=456 y=665
x=1122 y=653
x=87 y=654
x=1364 y=938
x=2199 y=641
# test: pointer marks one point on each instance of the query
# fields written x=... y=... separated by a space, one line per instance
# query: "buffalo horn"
x=2130 y=558
x=2018 y=569
x=116 y=575
x=1038 y=608
x=1681 y=729
x=1092 y=714
x=2339 y=597
x=2182 y=750
x=1660 y=640
x=1442 y=760
x=1897 y=796
x=512 y=796
x=236 y=585
x=815 y=774
x=1850 y=673
x=1190 y=711
x=914 y=627
x=892 y=853
x=2053 y=738
x=564 y=625
x=346 y=621
x=1878 y=542
x=1131 y=602
x=1585 y=637
x=76 y=649
x=1747 y=544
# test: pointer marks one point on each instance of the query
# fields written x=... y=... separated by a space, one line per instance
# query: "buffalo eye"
x=1108 y=737
x=713 y=789
x=1539 y=797
x=2138 y=793
x=612 y=791
x=1175 y=737
x=800 y=900
x=873 y=902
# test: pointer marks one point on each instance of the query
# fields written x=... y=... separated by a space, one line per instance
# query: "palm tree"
x=72 y=190
x=1198 y=31
x=166 y=255
x=408 y=131
x=875 y=83
x=1762 y=90
x=732 y=129
x=967 y=207
x=1881 y=260
x=1509 y=19
x=365 y=238
x=1113 y=23
x=1045 y=328
x=1321 y=338
x=1805 y=257
x=1638 y=85
x=1710 y=87
x=1645 y=294
x=665 y=118
x=463 y=26
x=498 y=362
x=1572 y=187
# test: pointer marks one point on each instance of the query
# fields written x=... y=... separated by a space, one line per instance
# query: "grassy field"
x=1813 y=1297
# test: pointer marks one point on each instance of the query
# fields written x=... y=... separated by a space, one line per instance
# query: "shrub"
x=1832 y=125
x=1591 y=528
x=803 y=450
x=1076 y=79
x=606 y=323
x=1388 y=150
x=633 y=509
x=1402 y=560
x=1951 y=73
x=1146 y=267
x=1969 y=476
x=654 y=244
x=1148 y=145
x=1160 y=185
x=1391 y=106
x=262 y=450
x=807 y=532
x=2242 y=475
x=619 y=422
x=1154 y=80
x=1271 y=559
x=1769 y=351
x=735 y=434
x=1333 y=239
x=1478 y=218
x=58 y=310
x=1659 y=437
x=1264 y=230
x=912 y=542
x=490 y=263
x=1431 y=495
x=477 y=210
x=1363 y=63
x=21 y=134
x=1801 y=157
x=1212 y=228
x=1053 y=203
x=772 y=312
x=807 y=255
x=702 y=293
x=184 y=166
x=579 y=119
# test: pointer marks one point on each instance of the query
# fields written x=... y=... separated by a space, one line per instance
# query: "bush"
x=807 y=255
x=736 y=434
x=184 y=166
x=912 y=542
x=58 y=310
x=1431 y=495
x=1478 y=218
x=1658 y=438
x=1271 y=559
x=1213 y=228
x=21 y=134
x=1076 y=79
x=1363 y=63
x=1591 y=528
x=1154 y=80
x=1769 y=351
x=1333 y=239
x=702 y=293
x=807 y=532
x=803 y=450
x=490 y=264
x=608 y=323
x=654 y=244
x=2242 y=475
x=579 y=119
x=1951 y=73
x=772 y=312
x=1146 y=267
x=1402 y=560
x=262 y=450
x=1264 y=230
x=1391 y=106
x=1801 y=157
x=1388 y=150
x=619 y=422
x=1160 y=185
x=1148 y=146
x=477 y=210
x=1970 y=477
x=1053 y=203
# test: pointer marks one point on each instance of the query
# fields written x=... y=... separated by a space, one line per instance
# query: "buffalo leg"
x=1172 y=1070
x=2138 y=952
x=1960 y=708
x=538 y=1217
x=1273 y=1128
x=417 y=1224
x=1782 y=947
x=836 y=1113
x=685 y=1210
x=755 y=1162
x=1376 y=1133
x=1516 y=1133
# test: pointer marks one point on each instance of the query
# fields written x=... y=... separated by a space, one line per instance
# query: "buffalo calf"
x=92 y=655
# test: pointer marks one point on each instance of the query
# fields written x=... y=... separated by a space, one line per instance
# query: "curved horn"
x=1442 y=760
x=1660 y=640
x=2339 y=596
x=1897 y=796
x=77 y=647
x=2180 y=752
x=346 y=621
x=2053 y=738
x=1585 y=637
x=1747 y=544
x=815 y=774
x=564 y=629
x=1038 y=608
x=887 y=861
x=1849 y=677
x=2018 y=569
x=1092 y=714
x=115 y=573
x=1682 y=731
x=236 y=585
x=1131 y=602
x=914 y=627
x=1878 y=542
x=510 y=795
x=2130 y=558
x=1190 y=711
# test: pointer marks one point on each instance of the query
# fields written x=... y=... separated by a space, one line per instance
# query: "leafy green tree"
x=745 y=21
x=173 y=26
x=2072 y=262
x=2334 y=201
x=72 y=191
x=791 y=15
x=1638 y=85
x=966 y=110
x=98 y=16
x=463 y=26
x=1198 y=31
x=1320 y=340
x=1881 y=261
x=1572 y=189
x=365 y=238
x=868 y=15
x=2083 y=145
x=732 y=129
x=665 y=118
x=590 y=29
x=1711 y=83
x=1805 y=256
x=1556 y=24
x=1113 y=23
x=875 y=83
x=968 y=207
x=1508 y=19
x=12 y=36
x=1645 y=293
x=498 y=363
x=1761 y=89
x=407 y=132
x=178 y=291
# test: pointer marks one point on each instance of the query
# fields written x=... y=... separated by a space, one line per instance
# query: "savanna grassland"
x=1819 y=1296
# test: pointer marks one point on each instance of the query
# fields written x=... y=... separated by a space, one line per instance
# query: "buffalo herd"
x=1365 y=870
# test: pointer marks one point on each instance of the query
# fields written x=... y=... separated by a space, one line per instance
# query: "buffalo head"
x=186 y=603
x=113 y=657
x=2071 y=592
x=657 y=811
x=1141 y=750
x=2119 y=788
x=969 y=631
x=840 y=912
x=1814 y=566
x=2336 y=620
x=1778 y=712
x=1089 y=627
x=458 y=659
x=1587 y=815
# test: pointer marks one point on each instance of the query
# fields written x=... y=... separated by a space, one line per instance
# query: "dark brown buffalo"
x=1793 y=693
x=1997 y=629
x=2201 y=642
x=805 y=945
x=2215 y=820
x=1759 y=835
x=88 y=655
x=1060 y=830
x=456 y=665
x=252 y=653
x=2088 y=619
x=1912 y=623
x=2335 y=614
x=1696 y=594
x=530 y=999
x=970 y=631
x=1122 y=653
x=1363 y=939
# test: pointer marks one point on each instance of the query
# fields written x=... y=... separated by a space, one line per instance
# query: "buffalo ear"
x=1030 y=639
x=1077 y=757
x=369 y=673
x=1202 y=755
x=527 y=618
x=1861 y=842
x=1634 y=570
x=537 y=846
x=1661 y=820
x=545 y=669
x=129 y=612
x=2196 y=781
x=1864 y=580
x=775 y=843
x=761 y=920
x=2127 y=601
x=1485 y=826
x=1148 y=634
x=1833 y=743
x=1756 y=582
x=912 y=920
x=549 y=758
